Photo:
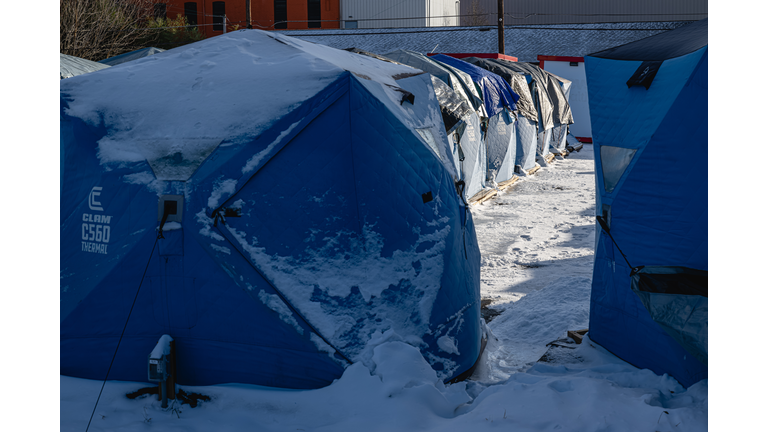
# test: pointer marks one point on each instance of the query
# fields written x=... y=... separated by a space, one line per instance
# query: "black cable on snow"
x=149 y=260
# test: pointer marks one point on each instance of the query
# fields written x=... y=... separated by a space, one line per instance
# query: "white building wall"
x=579 y=100
x=399 y=13
x=444 y=13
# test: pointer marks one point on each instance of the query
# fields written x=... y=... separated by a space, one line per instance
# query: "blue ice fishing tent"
x=648 y=104
x=500 y=101
x=277 y=207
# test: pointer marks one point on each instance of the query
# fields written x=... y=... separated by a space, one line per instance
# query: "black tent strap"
x=125 y=326
x=604 y=226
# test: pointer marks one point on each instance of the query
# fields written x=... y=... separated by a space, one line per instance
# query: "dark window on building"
x=218 y=15
x=160 y=10
x=313 y=13
x=190 y=11
x=281 y=14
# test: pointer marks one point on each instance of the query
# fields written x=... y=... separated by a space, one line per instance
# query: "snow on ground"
x=536 y=239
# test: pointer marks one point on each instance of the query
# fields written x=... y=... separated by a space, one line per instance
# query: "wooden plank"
x=482 y=196
x=550 y=157
x=533 y=170
x=507 y=183
x=577 y=335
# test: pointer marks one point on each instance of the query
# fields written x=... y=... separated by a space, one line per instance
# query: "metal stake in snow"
x=159 y=365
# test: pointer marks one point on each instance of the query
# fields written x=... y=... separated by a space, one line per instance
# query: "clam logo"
x=96 y=229
x=92 y=203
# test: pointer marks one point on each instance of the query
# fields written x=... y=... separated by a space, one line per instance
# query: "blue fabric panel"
x=628 y=117
x=228 y=161
x=501 y=147
x=497 y=93
x=658 y=217
x=526 y=136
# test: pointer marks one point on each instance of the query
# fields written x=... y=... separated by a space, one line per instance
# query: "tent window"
x=313 y=13
x=190 y=11
x=614 y=161
x=281 y=14
x=160 y=10
x=218 y=13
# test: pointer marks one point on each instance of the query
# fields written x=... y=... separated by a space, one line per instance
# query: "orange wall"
x=262 y=14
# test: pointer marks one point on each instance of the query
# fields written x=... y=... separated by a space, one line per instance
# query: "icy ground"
x=536 y=241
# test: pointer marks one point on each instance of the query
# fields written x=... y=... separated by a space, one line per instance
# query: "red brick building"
x=265 y=14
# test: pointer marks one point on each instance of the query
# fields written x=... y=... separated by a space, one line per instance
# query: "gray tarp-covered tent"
x=462 y=124
x=462 y=109
x=70 y=66
x=130 y=56
x=500 y=102
x=561 y=87
x=526 y=124
x=554 y=110
x=459 y=81
x=544 y=105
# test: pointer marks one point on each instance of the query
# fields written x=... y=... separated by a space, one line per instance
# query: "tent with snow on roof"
x=648 y=104
x=527 y=118
x=130 y=56
x=500 y=101
x=70 y=66
x=288 y=208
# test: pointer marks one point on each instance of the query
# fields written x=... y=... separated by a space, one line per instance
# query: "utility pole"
x=501 y=26
x=248 y=14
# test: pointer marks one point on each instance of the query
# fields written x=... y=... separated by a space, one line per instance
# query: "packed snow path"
x=536 y=237
x=540 y=229
x=537 y=244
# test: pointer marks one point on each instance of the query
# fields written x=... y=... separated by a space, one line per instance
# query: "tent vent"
x=427 y=197
x=174 y=204
x=644 y=74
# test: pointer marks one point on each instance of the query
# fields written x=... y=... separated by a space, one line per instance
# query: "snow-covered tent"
x=277 y=207
x=70 y=66
x=130 y=56
x=500 y=101
x=527 y=119
x=648 y=103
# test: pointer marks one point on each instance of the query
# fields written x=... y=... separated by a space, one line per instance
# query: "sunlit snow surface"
x=537 y=244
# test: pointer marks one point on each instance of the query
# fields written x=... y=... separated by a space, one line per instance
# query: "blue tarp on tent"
x=312 y=217
x=650 y=136
x=496 y=93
